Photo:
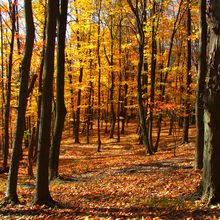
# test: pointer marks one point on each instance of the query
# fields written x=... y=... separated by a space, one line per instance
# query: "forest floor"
x=120 y=182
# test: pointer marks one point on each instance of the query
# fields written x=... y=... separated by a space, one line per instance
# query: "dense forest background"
x=165 y=62
x=103 y=70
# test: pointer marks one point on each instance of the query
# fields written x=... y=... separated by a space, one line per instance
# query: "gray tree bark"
x=201 y=85
x=211 y=98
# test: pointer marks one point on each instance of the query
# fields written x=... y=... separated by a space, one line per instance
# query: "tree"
x=211 y=98
x=11 y=193
x=40 y=79
x=60 y=106
x=140 y=18
x=159 y=28
x=153 y=68
x=111 y=63
x=99 y=5
x=164 y=78
x=201 y=86
x=189 y=80
x=42 y=195
x=8 y=94
x=2 y=75
x=79 y=93
x=119 y=75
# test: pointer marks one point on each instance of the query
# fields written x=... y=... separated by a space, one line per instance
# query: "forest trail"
x=120 y=182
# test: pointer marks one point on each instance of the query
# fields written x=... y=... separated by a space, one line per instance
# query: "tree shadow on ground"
x=24 y=212
x=161 y=166
x=168 y=165
x=169 y=211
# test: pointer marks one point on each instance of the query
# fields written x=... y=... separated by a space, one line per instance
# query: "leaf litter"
x=120 y=182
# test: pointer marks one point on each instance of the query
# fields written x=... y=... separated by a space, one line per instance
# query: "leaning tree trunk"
x=11 y=193
x=42 y=195
x=60 y=105
x=8 y=94
x=211 y=177
x=201 y=86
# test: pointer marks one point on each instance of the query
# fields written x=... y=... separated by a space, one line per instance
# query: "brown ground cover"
x=120 y=182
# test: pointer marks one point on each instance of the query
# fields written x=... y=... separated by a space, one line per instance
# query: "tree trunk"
x=153 y=72
x=31 y=153
x=164 y=80
x=2 y=84
x=77 y=122
x=89 y=102
x=99 y=73
x=142 y=116
x=124 y=109
x=106 y=112
x=40 y=85
x=42 y=195
x=201 y=86
x=171 y=124
x=111 y=63
x=211 y=98
x=140 y=26
x=60 y=105
x=8 y=93
x=17 y=30
x=112 y=111
x=187 y=104
x=72 y=102
x=11 y=194
x=119 y=76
